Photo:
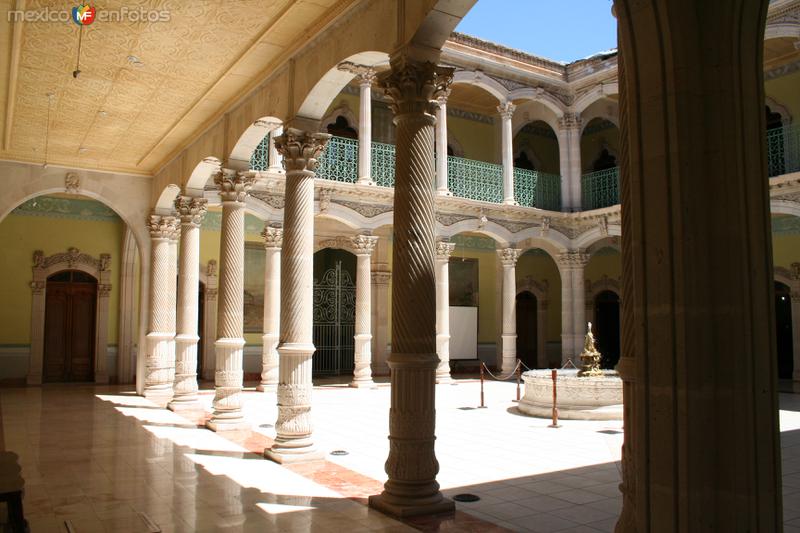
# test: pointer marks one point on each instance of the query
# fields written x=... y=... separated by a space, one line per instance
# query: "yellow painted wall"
x=593 y=143
x=606 y=261
x=786 y=91
x=542 y=268
x=21 y=235
x=477 y=139
x=545 y=148
x=785 y=249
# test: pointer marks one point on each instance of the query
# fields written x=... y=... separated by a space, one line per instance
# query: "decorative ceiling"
x=144 y=87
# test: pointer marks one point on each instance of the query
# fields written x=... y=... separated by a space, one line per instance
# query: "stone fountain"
x=588 y=393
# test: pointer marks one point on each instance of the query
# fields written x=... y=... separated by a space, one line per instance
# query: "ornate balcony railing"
x=260 y=158
x=600 y=189
x=339 y=160
x=382 y=162
x=475 y=180
x=783 y=150
x=537 y=189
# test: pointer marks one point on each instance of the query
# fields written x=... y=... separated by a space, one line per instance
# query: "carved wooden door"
x=69 y=338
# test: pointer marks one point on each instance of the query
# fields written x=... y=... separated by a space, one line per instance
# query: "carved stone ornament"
x=572 y=259
x=38 y=286
x=105 y=262
x=211 y=268
x=444 y=249
x=191 y=210
x=366 y=75
x=71 y=257
x=569 y=121
x=234 y=186
x=366 y=210
x=364 y=244
x=795 y=271
x=325 y=200
x=604 y=226
x=509 y=256
x=163 y=226
x=276 y=201
x=337 y=243
x=533 y=285
x=38 y=259
x=104 y=290
x=273 y=237
x=300 y=149
x=381 y=277
x=72 y=183
x=414 y=86
x=506 y=110
x=545 y=229
x=448 y=219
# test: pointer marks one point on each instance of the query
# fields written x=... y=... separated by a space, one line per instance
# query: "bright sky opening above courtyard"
x=562 y=30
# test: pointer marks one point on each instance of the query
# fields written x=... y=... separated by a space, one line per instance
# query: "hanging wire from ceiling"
x=50 y=98
x=77 y=70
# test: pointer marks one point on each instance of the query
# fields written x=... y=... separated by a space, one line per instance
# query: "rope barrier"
x=511 y=375
x=569 y=364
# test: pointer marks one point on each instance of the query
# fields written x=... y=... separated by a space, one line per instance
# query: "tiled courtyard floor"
x=103 y=459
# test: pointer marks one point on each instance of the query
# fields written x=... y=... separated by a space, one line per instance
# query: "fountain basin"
x=579 y=398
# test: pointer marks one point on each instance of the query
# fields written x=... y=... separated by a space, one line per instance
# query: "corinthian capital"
x=444 y=249
x=572 y=259
x=414 y=86
x=233 y=186
x=300 y=149
x=191 y=210
x=506 y=110
x=366 y=75
x=569 y=121
x=509 y=256
x=273 y=237
x=163 y=226
x=364 y=244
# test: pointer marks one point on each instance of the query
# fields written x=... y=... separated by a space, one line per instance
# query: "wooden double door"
x=69 y=327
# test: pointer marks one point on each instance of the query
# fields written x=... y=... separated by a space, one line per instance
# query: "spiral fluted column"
x=293 y=442
x=191 y=212
x=411 y=489
x=508 y=258
x=159 y=359
x=443 y=251
x=273 y=238
x=363 y=246
x=233 y=188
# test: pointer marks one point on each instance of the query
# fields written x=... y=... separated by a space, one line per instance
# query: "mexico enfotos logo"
x=86 y=14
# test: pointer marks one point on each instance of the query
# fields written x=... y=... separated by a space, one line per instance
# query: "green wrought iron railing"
x=783 y=150
x=476 y=180
x=260 y=158
x=600 y=189
x=537 y=189
x=339 y=160
x=382 y=163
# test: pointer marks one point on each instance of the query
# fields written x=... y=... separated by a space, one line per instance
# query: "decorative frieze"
x=72 y=183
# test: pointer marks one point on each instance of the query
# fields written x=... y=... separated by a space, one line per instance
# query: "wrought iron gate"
x=334 y=322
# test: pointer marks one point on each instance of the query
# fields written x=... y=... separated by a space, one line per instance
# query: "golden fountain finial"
x=590 y=357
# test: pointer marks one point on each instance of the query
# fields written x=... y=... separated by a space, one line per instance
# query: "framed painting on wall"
x=463 y=282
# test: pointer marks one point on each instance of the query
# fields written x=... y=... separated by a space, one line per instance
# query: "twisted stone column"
x=411 y=466
x=159 y=360
x=443 y=251
x=363 y=246
x=191 y=212
x=441 y=144
x=506 y=111
x=233 y=188
x=273 y=238
x=293 y=443
x=508 y=258
x=573 y=307
x=569 y=147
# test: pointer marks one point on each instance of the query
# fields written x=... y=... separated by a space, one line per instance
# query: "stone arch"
x=596 y=93
x=479 y=79
x=43 y=267
x=777 y=107
x=488 y=228
x=242 y=152
x=166 y=200
x=539 y=289
x=550 y=240
x=785 y=206
x=201 y=174
x=786 y=28
x=597 y=234
x=541 y=96
x=532 y=111
x=342 y=110
x=603 y=108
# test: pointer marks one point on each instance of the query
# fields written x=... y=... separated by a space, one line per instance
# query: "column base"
x=267 y=387
x=363 y=384
x=443 y=192
x=158 y=396
x=510 y=201
x=227 y=424
x=365 y=181
x=381 y=503
x=293 y=451
x=185 y=405
x=444 y=379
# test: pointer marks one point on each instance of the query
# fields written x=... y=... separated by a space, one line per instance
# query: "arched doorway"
x=69 y=326
x=783 y=330
x=527 y=326
x=334 y=312
x=606 y=327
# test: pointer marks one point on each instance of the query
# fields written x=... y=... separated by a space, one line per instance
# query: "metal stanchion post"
x=482 y=406
x=554 y=374
x=519 y=376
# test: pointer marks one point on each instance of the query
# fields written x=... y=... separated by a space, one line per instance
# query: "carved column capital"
x=364 y=244
x=234 y=186
x=441 y=99
x=509 y=256
x=413 y=86
x=300 y=149
x=37 y=287
x=381 y=277
x=273 y=237
x=365 y=75
x=191 y=210
x=104 y=290
x=795 y=269
x=572 y=260
x=211 y=268
x=570 y=121
x=163 y=226
x=506 y=110
x=444 y=249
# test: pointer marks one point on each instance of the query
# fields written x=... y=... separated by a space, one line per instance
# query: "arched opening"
x=783 y=330
x=342 y=128
x=527 y=325
x=334 y=312
x=606 y=327
x=600 y=177
x=776 y=143
x=537 y=166
x=69 y=327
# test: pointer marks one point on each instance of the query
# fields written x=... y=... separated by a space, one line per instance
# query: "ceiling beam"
x=13 y=71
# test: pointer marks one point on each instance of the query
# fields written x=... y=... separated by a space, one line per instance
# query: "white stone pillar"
x=273 y=238
x=365 y=80
x=101 y=357
x=573 y=303
x=233 y=188
x=569 y=148
x=506 y=111
x=363 y=246
x=159 y=361
x=380 y=319
x=210 y=320
x=442 y=188
x=191 y=212
x=443 y=251
x=293 y=442
x=413 y=85
x=275 y=158
x=508 y=258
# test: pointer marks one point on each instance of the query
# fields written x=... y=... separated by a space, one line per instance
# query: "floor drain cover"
x=610 y=431
x=266 y=426
x=466 y=498
x=339 y=452
x=466 y=408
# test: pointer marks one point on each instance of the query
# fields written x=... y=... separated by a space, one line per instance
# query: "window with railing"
x=783 y=150
x=260 y=158
x=537 y=189
x=600 y=189
x=339 y=160
x=475 y=180
x=382 y=163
